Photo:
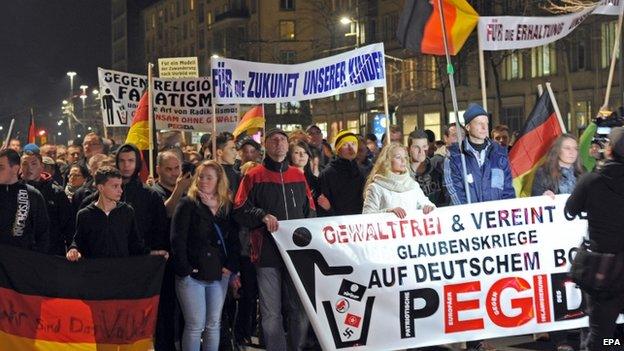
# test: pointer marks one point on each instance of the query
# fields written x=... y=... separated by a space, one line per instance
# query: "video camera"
x=605 y=120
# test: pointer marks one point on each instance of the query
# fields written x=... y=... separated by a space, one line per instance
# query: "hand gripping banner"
x=479 y=271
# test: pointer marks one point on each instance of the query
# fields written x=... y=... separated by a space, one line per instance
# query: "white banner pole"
x=556 y=107
x=616 y=48
x=482 y=75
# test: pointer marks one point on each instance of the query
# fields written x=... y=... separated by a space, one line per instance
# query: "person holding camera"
x=205 y=248
x=601 y=195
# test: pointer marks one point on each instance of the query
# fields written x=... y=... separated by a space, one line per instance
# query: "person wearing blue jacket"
x=487 y=166
x=487 y=171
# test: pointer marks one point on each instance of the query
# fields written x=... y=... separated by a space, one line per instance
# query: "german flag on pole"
x=139 y=129
x=32 y=132
x=420 y=29
x=539 y=132
x=48 y=303
x=253 y=119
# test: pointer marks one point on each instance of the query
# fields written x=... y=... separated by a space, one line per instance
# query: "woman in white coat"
x=389 y=187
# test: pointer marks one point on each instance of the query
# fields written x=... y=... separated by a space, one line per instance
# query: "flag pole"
x=556 y=107
x=8 y=137
x=214 y=124
x=150 y=117
x=387 y=113
x=616 y=48
x=451 y=71
x=481 y=72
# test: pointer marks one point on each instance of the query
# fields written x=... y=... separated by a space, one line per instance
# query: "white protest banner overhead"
x=479 y=271
x=120 y=93
x=186 y=104
x=246 y=82
x=511 y=33
x=609 y=7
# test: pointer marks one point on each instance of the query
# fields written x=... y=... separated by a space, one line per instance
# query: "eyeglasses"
x=76 y=175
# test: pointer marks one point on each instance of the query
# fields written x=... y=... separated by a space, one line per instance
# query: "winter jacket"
x=24 y=219
x=601 y=195
x=272 y=188
x=196 y=244
x=114 y=235
x=431 y=182
x=60 y=213
x=488 y=173
x=342 y=182
x=388 y=192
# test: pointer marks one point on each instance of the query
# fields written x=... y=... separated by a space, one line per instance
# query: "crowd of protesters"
x=213 y=214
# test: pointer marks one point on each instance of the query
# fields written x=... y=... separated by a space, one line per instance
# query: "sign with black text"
x=479 y=271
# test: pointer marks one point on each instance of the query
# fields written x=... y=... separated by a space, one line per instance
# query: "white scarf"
x=395 y=182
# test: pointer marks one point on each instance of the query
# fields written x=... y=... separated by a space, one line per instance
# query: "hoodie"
x=60 y=213
x=601 y=195
x=148 y=206
x=23 y=217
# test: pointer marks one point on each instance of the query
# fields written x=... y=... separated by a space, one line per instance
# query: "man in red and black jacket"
x=269 y=193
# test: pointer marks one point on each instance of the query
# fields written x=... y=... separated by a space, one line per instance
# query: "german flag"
x=48 y=303
x=536 y=138
x=32 y=132
x=253 y=119
x=139 y=129
x=420 y=28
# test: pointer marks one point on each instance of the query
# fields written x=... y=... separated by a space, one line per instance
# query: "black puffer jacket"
x=23 y=217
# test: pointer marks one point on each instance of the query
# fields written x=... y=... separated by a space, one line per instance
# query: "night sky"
x=40 y=41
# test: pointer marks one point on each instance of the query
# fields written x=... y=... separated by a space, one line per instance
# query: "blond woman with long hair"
x=390 y=188
x=205 y=248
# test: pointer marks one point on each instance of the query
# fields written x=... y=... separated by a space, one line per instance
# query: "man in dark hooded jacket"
x=23 y=216
x=59 y=209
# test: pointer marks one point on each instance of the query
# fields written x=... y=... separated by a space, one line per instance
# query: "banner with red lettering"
x=186 y=104
x=521 y=32
x=479 y=271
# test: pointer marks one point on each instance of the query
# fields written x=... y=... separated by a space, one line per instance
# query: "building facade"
x=293 y=31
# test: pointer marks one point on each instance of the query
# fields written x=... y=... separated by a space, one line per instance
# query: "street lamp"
x=83 y=97
x=71 y=75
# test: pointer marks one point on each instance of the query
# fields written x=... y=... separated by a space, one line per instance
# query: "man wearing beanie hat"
x=601 y=195
x=341 y=183
x=487 y=166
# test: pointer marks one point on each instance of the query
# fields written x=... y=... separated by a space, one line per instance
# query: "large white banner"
x=493 y=269
x=246 y=82
x=510 y=33
x=186 y=104
x=609 y=7
x=120 y=93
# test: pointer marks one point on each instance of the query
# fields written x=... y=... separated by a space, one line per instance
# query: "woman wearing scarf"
x=390 y=188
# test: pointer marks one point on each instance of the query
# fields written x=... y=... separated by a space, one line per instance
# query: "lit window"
x=287 y=30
